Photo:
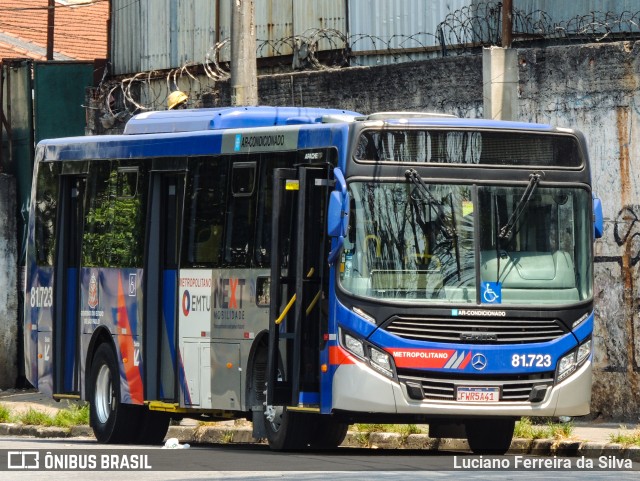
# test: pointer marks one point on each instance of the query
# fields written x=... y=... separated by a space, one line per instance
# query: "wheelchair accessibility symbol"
x=491 y=293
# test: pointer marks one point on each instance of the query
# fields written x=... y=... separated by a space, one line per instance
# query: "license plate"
x=478 y=394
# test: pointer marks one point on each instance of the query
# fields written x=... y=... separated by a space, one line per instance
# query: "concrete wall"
x=8 y=283
x=595 y=88
x=442 y=85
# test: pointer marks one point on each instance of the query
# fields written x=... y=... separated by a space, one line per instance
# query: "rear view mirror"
x=598 y=221
x=338 y=215
x=336 y=224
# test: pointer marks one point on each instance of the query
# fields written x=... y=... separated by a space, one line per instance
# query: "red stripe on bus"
x=338 y=356
x=466 y=361
x=127 y=350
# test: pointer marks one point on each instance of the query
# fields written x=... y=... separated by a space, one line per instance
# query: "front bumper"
x=358 y=388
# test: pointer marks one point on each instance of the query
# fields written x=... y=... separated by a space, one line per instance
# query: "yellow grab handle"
x=286 y=310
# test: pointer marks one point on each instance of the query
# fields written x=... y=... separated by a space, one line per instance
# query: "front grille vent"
x=476 y=330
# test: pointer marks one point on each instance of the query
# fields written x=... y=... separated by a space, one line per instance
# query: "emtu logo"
x=195 y=303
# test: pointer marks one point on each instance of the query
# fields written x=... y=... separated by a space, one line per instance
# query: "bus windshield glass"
x=455 y=243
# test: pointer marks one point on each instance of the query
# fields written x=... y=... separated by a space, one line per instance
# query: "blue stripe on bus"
x=71 y=328
x=500 y=358
x=169 y=283
x=305 y=397
x=585 y=329
x=353 y=322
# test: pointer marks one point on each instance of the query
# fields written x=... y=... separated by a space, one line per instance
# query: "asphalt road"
x=257 y=462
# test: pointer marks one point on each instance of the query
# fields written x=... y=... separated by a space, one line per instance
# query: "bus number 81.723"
x=531 y=360
x=41 y=296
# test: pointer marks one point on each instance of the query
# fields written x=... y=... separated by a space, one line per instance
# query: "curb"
x=354 y=439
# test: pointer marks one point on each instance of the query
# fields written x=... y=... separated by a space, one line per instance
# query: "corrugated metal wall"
x=162 y=34
x=565 y=10
x=406 y=24
x=125 y=49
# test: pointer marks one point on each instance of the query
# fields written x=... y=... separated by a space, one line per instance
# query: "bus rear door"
x=66 y=327
x=161 y=271
x=298 y=285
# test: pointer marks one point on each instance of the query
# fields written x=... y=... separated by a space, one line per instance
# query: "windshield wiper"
x=449 y=232
x=506 y=231
x=434 y=204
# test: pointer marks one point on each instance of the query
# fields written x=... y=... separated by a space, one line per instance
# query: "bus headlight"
x=570 y=362
x=381 y=361
x=584 y=351
x=566 y=366
x=375 y=357
x=353 y=345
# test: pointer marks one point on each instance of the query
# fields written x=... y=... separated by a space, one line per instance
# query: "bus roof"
x=192 y=120
x=201 y=131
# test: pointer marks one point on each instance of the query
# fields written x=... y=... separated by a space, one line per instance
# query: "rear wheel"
x=490 y=436
x=112 y=421
x=153 y=427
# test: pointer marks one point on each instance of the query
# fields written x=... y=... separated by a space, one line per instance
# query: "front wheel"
x=329 y=434
x=112 y=421
x=490 y=436
x=288 y=430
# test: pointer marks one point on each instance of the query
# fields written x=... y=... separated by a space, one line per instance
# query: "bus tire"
x=153 y=427
x=288 y=430
x=329 y=434
x=490 y=436
x=111 y=420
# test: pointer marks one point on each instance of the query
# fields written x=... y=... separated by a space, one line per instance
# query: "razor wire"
x=462 y=32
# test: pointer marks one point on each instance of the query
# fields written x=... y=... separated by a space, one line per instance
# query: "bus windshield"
x=455 y=243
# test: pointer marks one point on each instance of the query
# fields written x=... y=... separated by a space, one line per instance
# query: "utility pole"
x=244 y=73
x=51 y=15
x=500 y=73
x=507 y=23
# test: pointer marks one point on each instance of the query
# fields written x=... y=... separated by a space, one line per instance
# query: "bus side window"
x=45 y=213
x=205 y=211
x=128 y=223
x=96 y=240
x=264 y=217
x=240 y=215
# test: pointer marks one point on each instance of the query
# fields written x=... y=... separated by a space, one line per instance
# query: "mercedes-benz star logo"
x=479 y=362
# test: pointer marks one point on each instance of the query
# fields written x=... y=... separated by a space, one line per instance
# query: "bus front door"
x=298 y=285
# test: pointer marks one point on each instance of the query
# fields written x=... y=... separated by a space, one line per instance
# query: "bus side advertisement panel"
x=113 y=298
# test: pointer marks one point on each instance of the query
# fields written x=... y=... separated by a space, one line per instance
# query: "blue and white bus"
x=311 y=268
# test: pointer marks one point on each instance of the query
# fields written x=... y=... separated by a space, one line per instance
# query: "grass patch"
x=626 y=438
x=32 y=417
x=525 y=428
x=5 y=414
x=74 y=415
x=363 y=431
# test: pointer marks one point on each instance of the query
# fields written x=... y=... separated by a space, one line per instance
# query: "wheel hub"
x=103 y=396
